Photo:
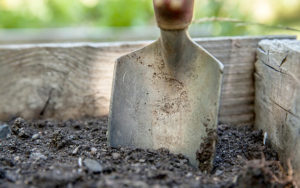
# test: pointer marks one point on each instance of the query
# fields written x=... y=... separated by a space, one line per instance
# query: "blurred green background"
x=17 y=14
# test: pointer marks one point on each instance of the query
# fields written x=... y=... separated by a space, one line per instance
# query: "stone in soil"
x=93 y=165
x=35 y=136
x=116 y=156
x=4 y=130
x=37 y=156
x=20 y=128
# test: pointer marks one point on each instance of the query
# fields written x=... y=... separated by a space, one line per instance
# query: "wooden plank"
x=238 y=120
x=277 y=100
x=231 y=94
x=238 y=56
x=226 y=103
x=65 y=81
x=237 y=110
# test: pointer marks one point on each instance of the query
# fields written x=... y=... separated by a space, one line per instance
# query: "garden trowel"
x=166 y=95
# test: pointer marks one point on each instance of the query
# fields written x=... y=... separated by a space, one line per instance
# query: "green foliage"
x=16 y=19
x=64 y=13
x=124 y=13
x=221 y=8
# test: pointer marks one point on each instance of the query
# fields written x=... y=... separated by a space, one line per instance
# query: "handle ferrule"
x=173 y=14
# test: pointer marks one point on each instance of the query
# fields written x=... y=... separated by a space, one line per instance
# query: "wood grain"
x=277 y=100
x=65 y=81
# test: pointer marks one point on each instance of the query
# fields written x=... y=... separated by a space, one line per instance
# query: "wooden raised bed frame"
x=63 y=81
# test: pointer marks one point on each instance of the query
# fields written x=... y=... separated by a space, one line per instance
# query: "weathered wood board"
x=64 y=81
x=277 y=101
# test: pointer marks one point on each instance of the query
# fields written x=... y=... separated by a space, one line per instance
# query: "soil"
x=74 y=153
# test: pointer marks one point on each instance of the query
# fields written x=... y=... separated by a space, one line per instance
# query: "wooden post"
x=277 y=101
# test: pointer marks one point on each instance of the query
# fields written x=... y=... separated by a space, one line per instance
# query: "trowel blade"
x=153 y=106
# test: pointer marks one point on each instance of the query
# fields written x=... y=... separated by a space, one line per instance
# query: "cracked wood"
x=277 y=100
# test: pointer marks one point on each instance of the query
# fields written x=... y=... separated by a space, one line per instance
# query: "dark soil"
x=75 y=154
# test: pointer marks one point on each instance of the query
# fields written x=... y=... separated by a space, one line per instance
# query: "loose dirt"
x=47 y=153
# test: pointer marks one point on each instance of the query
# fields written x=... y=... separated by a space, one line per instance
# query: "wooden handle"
x=173 y=14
